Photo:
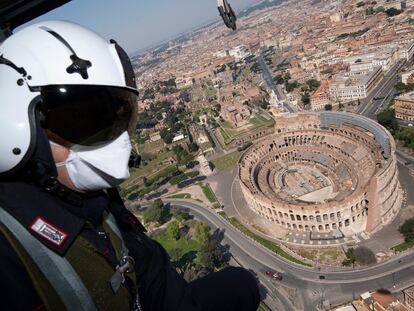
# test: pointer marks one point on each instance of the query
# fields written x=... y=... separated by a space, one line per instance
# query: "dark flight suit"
x=92 y=250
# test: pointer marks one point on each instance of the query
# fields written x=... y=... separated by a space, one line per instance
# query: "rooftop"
x=407 y=96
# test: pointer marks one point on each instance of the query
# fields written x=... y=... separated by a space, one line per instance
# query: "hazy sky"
x=136 y=24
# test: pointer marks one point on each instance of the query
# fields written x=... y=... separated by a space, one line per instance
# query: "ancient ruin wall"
x=321 y=172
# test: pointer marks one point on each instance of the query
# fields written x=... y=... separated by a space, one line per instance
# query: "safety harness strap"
x=57 y=270
x=111 y=222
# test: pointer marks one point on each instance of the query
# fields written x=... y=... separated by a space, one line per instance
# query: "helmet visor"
x=88 y=115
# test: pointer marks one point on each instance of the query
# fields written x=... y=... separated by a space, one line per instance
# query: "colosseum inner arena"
x=323 y=172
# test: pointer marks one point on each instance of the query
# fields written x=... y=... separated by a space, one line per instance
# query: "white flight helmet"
x=83 y=85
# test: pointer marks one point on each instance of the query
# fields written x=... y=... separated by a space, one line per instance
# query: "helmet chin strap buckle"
x=53 y=186
x=50 y=184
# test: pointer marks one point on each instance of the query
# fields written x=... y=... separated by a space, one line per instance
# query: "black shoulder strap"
x=124 y=217
x=57 y=270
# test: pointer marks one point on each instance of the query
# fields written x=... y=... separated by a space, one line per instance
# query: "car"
x=274 y=275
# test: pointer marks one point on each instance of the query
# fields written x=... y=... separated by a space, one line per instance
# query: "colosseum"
x=322 y=172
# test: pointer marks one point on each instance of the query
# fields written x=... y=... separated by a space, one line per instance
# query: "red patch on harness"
x=48 y=231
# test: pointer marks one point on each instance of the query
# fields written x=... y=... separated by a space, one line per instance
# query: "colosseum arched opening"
x=323 y=172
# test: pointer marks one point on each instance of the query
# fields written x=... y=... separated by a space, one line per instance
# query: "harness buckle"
x=126 y=265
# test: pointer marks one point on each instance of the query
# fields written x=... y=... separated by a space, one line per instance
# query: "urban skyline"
x=298 y=144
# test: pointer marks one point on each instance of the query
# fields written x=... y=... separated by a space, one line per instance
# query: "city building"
x=236 y=116
x=205 y=166
x=321 y=97
x=348 y=88
x=239 y=52
x=408 y=77
x=407 y=51
x=154 y=136
x=183 y=82
x=409 y=298
x=404 y=107
x=323 y=172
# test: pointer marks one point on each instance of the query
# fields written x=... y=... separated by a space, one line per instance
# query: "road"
x=267 y=77
x=405 y=158
x=369 y=106
x=339 y=286
x=385 y=91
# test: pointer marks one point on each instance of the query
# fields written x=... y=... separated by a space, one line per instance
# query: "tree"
x=400 y=87
x=156 y=212
x=305 y=98
x=168 y=138
x=264 y=104
x=176 y=254
x=158 y=203
x=177 y=179
x=180 y=215
x=369 y=11
x=290 y=86
x=202 y=232
x=180 y=152
x=194 y=271
x=350 y=257
x=328 y=107
x=133 y=196
x=192 y=147
x=146 y=182
x=407 y=230
x=152 y=214
x=386 y=118
x=278 y=79
x=392 y=12
x=313 y=84
x=210 y=255
x=364 y=255
x=173 y=230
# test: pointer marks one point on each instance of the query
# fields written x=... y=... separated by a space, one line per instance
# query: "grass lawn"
x=225 y=135
x=403 y=246
x=259 y=120
x=180 y=196
x=151 y=146
x=208 y=192
x=323 y=255
x=266 y=243
x=227 y=160
x=216 y=205
x=226 y=124
x=184 y=244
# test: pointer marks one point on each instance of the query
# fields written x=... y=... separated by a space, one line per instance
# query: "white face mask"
x=92 y=168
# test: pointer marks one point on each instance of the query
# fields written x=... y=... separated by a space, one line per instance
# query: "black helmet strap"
x=42 y=168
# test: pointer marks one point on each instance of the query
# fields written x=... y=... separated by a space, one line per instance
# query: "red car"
x=275 y=275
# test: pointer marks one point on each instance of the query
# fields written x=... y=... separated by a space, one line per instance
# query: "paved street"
x=383 y=90
x=267 y=77
x=338 y=286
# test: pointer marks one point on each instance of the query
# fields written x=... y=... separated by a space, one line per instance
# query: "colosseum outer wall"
x=385 y=194
x=372 y=202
